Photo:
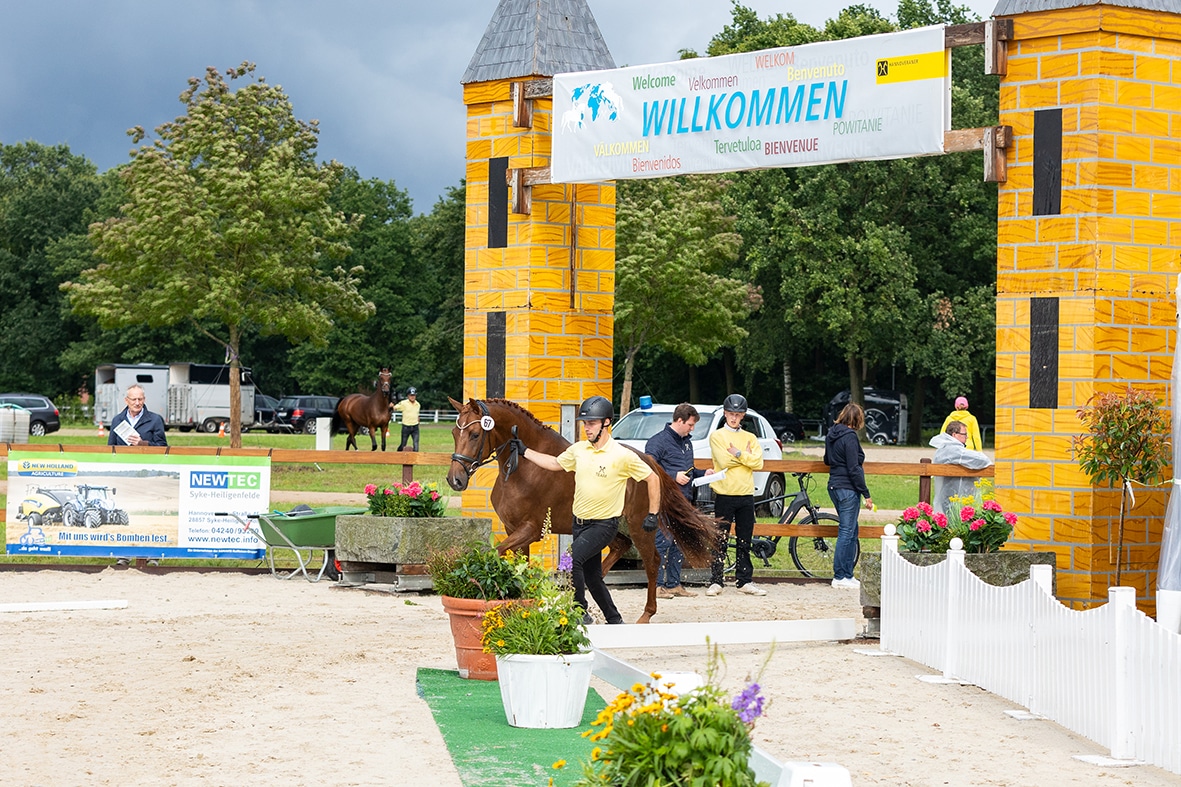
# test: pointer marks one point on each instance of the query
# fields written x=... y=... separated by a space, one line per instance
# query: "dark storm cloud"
x=382 y=77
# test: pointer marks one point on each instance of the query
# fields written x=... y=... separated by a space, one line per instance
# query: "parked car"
x=885 y=415
x=299 y=413
x=788 y=427
x=636 y=427
x=43 y=414
x=264 y=409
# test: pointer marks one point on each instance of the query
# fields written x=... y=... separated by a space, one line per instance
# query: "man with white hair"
x=950 y=450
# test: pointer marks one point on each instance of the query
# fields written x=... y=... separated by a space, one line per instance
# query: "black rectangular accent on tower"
x=494 y=373
x=1047 y=162
x=497 y=203
x=1043 y=353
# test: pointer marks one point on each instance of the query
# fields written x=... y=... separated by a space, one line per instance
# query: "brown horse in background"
x=366 y=410
x=525 y=495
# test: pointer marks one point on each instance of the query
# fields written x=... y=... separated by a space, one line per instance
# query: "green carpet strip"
x=485 y=749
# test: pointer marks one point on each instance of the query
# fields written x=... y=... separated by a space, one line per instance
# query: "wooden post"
x=925 y=481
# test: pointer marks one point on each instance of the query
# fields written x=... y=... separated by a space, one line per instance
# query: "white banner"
x=874 y=97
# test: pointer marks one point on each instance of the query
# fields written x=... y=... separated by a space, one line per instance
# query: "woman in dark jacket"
x=846 y=485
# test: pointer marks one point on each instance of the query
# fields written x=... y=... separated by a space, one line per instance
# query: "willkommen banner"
x=874 y=97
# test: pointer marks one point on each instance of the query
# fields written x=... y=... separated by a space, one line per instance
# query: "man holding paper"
x=136 y=425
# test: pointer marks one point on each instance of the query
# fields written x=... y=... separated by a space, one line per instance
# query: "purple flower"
x=566 y=562
x=749 y=704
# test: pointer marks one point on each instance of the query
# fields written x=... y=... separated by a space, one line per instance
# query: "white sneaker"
x=751 y=589
x=713 y=590
x=848 y=584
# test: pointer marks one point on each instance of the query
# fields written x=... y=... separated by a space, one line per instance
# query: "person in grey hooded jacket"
x=950 y=450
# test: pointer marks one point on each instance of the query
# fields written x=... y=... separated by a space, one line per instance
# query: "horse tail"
x=695 y=533
x=336 y=421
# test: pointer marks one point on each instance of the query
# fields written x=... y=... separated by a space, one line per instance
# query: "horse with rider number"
x=526 y=497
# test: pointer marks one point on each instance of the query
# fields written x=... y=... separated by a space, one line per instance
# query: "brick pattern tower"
x=1089 y=243
x=538 y=286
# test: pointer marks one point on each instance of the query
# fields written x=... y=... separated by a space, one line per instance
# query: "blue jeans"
x=671 y=558
x=848 y=505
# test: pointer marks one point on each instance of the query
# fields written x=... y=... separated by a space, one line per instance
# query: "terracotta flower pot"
x=466 y=616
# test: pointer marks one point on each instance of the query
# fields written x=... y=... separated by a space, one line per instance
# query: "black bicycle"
x=812 y=555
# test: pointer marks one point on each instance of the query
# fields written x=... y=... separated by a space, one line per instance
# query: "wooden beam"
x=522 y=106
x=993 y=140
x=996 y=51
x=522 y=194
x=539 y=88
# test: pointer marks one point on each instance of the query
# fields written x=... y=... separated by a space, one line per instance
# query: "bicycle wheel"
x=813 y=555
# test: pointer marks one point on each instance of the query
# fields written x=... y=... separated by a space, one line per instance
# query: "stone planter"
x=996 y=568
x=380 y=544
x=544 y=692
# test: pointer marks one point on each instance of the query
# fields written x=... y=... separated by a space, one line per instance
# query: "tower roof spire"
x=538 y=38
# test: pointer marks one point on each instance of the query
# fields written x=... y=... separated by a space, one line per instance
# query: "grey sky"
x=381 y=77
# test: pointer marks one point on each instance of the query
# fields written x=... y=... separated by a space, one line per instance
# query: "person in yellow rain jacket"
x=962 y=415
x=738 y=452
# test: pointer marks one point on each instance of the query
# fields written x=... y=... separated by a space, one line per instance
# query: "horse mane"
x=521 y=410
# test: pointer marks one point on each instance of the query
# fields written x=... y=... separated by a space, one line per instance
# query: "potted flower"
x=543 y=657
x=653 y=735
x=413 y=499
x=923 y=529
x=470 y=581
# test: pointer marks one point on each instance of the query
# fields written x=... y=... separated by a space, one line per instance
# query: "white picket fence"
x=1110 y=674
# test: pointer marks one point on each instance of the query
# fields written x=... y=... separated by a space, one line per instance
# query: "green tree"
x=227 y=227
x=47 y=197
x=673 y=240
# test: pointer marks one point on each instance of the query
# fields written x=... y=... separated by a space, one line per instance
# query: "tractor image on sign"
x=82 y=506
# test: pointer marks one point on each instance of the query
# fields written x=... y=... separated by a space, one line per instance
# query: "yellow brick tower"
x=539 y=278
x=1089 y=243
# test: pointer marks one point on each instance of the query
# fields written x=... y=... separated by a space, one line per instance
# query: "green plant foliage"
x=1127 y=438
x=478 y=572
x=651 y=736
x=549 y=626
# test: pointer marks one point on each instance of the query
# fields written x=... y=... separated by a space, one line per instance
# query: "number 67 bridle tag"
x=487 y=423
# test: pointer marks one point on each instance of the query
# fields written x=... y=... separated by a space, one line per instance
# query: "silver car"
x=636 y=427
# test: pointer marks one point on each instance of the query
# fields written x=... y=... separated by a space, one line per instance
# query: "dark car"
x=264 y=409
x=299 y=413
x=788 y=427
x=43 y=415
x=885 y=414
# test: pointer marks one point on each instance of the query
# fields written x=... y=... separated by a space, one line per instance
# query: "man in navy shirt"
x=672 y=448
x=149 y=427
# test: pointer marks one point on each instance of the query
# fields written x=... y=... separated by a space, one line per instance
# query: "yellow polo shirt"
x=600 y=477
x=740 y=477
x=409 y=411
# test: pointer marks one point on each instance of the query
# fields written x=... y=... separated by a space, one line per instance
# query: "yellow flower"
x=559 y=764
x=524 y=613
x=562 y=621
x=664 y=728
x=500 y=643
x=595 y=752
x=631 y=722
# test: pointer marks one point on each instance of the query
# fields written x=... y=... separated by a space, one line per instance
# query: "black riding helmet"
x=735 y=403
x=596 y=408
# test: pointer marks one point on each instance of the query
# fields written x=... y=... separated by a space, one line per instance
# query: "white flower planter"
x=546 y=692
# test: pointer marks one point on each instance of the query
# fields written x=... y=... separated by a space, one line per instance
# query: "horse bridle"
x=472 y=463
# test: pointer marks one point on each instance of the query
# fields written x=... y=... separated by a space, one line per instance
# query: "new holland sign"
x=875 y=97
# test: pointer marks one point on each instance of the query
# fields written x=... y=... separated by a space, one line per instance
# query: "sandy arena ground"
x=229 y=678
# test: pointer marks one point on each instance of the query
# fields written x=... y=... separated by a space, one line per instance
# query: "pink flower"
x=388 y=491
x=926 y=508
x=924 y=526
x=910 y=514
x=370 y=488
x=966 y=513
x=991 y=505
x=1011 y=518
x=940 y=519
x=976 y=524
x=414 y=489
x=434 y=495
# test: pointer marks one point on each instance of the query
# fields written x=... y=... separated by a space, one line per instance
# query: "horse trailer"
x=186 y=395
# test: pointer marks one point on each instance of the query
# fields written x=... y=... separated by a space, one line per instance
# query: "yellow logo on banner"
x=908 y=68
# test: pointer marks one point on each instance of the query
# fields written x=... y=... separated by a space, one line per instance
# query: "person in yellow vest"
x=962 y=415
x=738 y=452
x=601 y=470
x=409 y=408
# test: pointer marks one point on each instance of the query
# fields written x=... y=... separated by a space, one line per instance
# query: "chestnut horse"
x=369 y=410
x=525 y=495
